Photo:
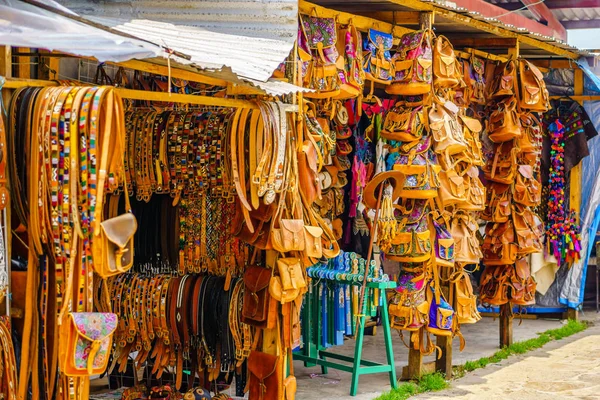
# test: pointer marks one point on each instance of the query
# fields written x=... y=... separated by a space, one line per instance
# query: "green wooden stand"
x=314 y=354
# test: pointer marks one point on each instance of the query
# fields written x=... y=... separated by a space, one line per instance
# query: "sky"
x=584 y=38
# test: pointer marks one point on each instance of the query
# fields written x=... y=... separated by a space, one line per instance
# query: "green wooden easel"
x=314 y=354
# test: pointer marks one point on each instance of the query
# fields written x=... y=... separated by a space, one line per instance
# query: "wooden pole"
x=506 y=325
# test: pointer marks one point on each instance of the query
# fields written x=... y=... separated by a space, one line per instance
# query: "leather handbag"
x=504 y=123
x=322 y=72
x=289 y=236
x=308 y=171
x=475 y=193
x=522 y=284
x=494 y=284
x=471 y=130
x=349 y=46
x=409 y=309
x=312 y=238
x=266 y=376
x=503 y=167
x=412 y=243
x=291 y=274
x=412 y=62
x=255 y=309
x=452 y=188
x=377 y=62
x=531 y=139
x=418 y=163
x=404 y=124
x=116 y=244
x=527 y=190
x=441 y=314
x=505 y=79
x=446 y=129
x=529 y=236
x=498 y=203
x=445 y=66
x=464 y=231
x=499 y=245
x=86 y=343
x=532 y=93
x=280 y=294
x=466 y=300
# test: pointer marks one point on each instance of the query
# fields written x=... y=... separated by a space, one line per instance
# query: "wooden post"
x=48 y=67
x=415 y=358
x=444 y=363
x=506 y=328
x=426 y=20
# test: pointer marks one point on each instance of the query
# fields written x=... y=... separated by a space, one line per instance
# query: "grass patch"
x=428 y=383
x=435 y=382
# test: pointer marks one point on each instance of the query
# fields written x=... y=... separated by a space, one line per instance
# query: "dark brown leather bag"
x=266 y=376
x=522 y=291
x=255 y=310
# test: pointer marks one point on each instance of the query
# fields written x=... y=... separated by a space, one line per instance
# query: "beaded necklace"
x=562 y=230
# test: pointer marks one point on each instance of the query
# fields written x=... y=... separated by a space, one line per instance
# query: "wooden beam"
x=485 y=43
x=552 y=63
x=466 y=53
x=23 y=67
x=506 y=325
x=486 y=26
x=395 y=17
x=580 y=99
x=444 y=363
x=5 y=61
x=361 y=23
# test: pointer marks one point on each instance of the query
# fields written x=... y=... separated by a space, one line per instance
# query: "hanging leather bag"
x=405 y=124
x=378 y=65
x=527 y=190
x=532 y=93
x=529 y=236
x=445 y=65
x=504 y=123
x=497 y=208
x=257 y=300
x=499 y=245
x=413 y=65
x=503 y=167
x=522 y=284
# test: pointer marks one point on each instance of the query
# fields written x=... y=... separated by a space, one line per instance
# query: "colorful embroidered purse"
x=409 y=308
x=413 y=65
x=377 y=63
x=412 y=243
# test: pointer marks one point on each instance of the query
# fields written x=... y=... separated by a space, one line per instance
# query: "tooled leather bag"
x=527 y=190
x=464 y=231
x=418 y=163
x=377 y=62
x=289 y=236
x=413 y=65
x=445 y=65
x=404 y=124
x=504 y=123
x=529 y=236
x=503 y=167
x=322 y=72
x=494 y=284
x=409 y=309
x=498 y=203
x=532 y=93
x=522 y=284
x=499 y=245
x=412 y=243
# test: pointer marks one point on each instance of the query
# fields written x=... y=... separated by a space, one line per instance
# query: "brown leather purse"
x=499 y=245
x=522 y=285
x=494 y=284
x=504 y=123
x=503 y=167
x=527 y=190
x=257 y=300
x=529 y=236
x=498 y=202
x=532 y=94
x=266 y=376
x=308 y=171
x=505 y=79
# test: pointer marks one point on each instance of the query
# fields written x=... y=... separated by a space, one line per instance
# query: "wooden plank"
x=178 y=73
x=552 y=63
x=444 y=363
x=415 y=359
x=48 y=67
x=485 y=43
x=5 y=61
x=426 y=20
x=360 y=22
x=23 y=67
x=395 y=17
x=506 y=325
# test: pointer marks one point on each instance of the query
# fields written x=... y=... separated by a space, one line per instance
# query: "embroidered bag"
x=441 y=314
x=412 y=243
x=352 y=76
x=377 y=62
x=404 y=124
x=444 y=242
x=86 y=342
x=409 y=309
x=413 y=65
x=322 y=72
x=477 y=80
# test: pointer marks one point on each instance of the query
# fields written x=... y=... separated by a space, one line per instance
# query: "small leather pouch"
x=289 y=236
x=255 y=309
x=312 y=238
x=116 y=238
x=266 y=376
x=290 y=271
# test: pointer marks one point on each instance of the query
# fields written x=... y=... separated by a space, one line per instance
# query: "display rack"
x=313 y=353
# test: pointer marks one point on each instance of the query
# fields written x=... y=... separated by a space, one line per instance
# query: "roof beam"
x=554 y=4
x=582 y=24
x=488 y=27
x=485 y=43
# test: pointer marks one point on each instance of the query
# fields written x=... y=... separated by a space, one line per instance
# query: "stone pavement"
x=564 y=369
x=482 y=340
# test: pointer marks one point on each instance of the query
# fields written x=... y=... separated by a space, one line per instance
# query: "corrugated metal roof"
x=577 y=14
x=250 y=37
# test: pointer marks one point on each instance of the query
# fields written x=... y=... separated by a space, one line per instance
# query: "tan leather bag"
x=266 y=376
x=529 y=236
x=464 y=231
x=290 y=271
x=527 y=190
x=494 y=284
x=280 y=294
x=505 y=79
x=445 y=66
x=452 y=188
x=466 y=301
x=474 y=191
x=499 y=245
x=289 y=236
x=312 y=238
x=504 y=123
x=308 y=171
x=498 y=203
x=471 y=130
x=532 y=94
x=503 y=167
x=531 y=139
x=446 y=129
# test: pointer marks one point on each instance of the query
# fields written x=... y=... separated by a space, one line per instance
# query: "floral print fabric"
x=94 y=326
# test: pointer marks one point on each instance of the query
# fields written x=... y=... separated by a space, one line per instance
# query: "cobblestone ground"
x=565 y=369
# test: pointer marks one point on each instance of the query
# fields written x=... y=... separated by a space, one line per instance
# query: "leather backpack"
x=452 y=188
x=445 y=65
x=405 y=124
x=413 y=65
x=377 y=63
x=446 y=129
x=471 y=130
x=474 y=190
x=463 y=228
x=352 y=76
x=418 y=163
x=505 y=79
x=522 y=285
x=494 y=284
x=266 y=375
x=503 y=167
x=531 y=139
x=527 y=190
x=444 y=242
x=412 y=243
x=504 y=123
x=466 y=300
x=499 y=245
x=532 y=93
x=497 y=208
x=529 y=236
x=409 y=309
x=322 y=73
